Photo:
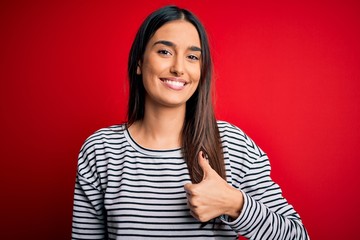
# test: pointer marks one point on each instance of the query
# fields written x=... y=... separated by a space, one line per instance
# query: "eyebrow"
x=171 y=44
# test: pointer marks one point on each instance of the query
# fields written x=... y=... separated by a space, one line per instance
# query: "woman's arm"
x=249 y=201
x=265 y=212
x=89 y=218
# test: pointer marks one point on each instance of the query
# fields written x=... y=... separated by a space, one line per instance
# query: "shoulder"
x=95 y=147
x=114 y=133
x=230 y=131
x=235 y=139
x=228 y=127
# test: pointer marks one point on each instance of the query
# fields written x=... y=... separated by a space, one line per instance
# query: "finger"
x=204 y=164
x=194 y=215
x=188 y=204
x=187 y=186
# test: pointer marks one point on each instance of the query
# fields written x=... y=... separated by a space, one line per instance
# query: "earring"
x=138 y=70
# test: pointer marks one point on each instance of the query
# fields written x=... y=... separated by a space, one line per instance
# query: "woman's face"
x=171 y=65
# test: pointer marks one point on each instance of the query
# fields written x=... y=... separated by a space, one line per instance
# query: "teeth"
x=175 y=83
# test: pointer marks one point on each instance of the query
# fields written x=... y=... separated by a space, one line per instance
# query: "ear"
x=138 y=69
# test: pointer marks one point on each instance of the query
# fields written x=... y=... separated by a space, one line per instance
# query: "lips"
x=174 y=83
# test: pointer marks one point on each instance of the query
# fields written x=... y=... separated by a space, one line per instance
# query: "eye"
x=193 y=57
x=164 y=52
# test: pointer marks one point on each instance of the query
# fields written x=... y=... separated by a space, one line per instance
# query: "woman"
x=172 y=166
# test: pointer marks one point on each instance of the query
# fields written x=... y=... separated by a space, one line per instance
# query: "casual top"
x=125 y=191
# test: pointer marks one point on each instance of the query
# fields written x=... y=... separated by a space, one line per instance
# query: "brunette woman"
x=173 y=167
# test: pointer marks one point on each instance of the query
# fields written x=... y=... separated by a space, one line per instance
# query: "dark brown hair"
x=200 y=131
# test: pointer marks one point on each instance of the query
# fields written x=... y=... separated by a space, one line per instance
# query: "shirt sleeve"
x=89 y=218
x=266 y=214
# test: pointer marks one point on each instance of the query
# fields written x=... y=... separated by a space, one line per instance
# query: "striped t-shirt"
x=125 y=191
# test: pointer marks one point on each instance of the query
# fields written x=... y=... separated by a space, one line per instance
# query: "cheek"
x=148 y=75
x=196 y=73
x=153 y=67
x=146 y=68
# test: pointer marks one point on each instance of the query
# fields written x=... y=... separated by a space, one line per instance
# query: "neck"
x=160 y=129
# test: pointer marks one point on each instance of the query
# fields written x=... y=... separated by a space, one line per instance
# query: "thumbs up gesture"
x=213 y=196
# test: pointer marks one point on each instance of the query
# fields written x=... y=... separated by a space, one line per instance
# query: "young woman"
x=172 y=167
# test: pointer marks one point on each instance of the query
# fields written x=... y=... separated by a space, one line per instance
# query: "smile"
x=176 y=84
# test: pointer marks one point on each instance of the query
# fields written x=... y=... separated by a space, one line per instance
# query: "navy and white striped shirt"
x=124 y=191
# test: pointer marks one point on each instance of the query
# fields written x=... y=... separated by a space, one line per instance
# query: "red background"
x=287 y=74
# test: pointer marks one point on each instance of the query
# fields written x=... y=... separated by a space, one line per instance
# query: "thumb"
x=204 y=164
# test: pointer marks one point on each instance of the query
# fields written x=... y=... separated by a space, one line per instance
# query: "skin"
x=171 y=73
x=213 y=196
x=173 y=53
x=165 y=107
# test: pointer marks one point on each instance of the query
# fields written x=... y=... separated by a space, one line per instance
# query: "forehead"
x=180 y=32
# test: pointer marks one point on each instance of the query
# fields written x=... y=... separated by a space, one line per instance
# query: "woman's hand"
x=213 y=196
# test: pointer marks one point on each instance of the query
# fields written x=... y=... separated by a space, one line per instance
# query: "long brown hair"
x=200 y=131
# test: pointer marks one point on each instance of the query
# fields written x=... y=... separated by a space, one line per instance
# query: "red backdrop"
x=287 y=74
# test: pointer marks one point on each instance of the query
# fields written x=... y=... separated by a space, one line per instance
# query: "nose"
x=177 y=67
